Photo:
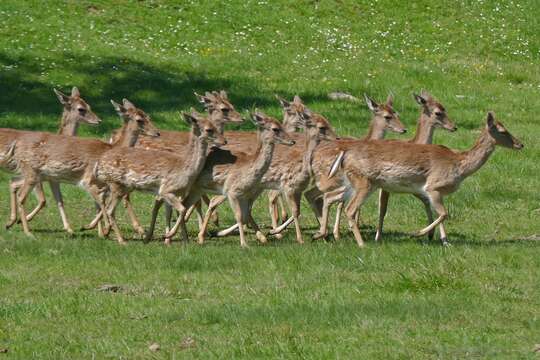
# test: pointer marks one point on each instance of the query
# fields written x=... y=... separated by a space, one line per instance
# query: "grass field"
x=404 y=298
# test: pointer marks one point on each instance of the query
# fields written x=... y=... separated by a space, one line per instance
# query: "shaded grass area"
x=405 y=298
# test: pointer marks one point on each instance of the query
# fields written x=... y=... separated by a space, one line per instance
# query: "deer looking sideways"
x=427 y=171
x=76 y=111
x=67 y=159
x=432 y=115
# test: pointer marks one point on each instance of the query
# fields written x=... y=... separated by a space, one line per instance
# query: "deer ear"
x=128 y=104
x=119 y=108
x=284 y=103
x=204 y=99
x=297 y=100
x=63 y=98
x=75 y=92
x=420 y=99
x=372 y=105
x=390 y=100
x=189 y=119
x=258 y=119
x=490 y=121
x=223 y=94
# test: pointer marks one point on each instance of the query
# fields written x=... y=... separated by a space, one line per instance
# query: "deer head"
x=204 y=129
x=76 y=109
x=293 y=112
x=434 y=112
x=136 y=121
x=384 y=114
x=218 y=106
x=500 y=135
x=318 y=126
x=270 y=130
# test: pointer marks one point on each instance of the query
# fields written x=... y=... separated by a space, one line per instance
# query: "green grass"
x=402 y=299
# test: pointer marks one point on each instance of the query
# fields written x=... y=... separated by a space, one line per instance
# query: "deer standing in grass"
x=76 y=111
x=236 y=176
x=168 y=175
x=433 y=115
x=220 y=111
x=67 y=159
x=384 y=119
x=428 y=171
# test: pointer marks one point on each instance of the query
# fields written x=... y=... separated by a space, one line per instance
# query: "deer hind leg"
x=429 y=214
x=294 y=203
x=238 y=211
x=273 y=197
x=14 y=186
x=362 y=190
x=55 y=189
x=213 y=204
x=383 y=207
x=116 y=195
x=215 y=216
x=176 y=203
x=436 y=201
x=131 y=213
x=31 y=178
x=314 y=199
x=40 y=195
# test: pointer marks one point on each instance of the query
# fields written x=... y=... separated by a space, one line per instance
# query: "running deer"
x=433 y=115
x=166 y=174
x=220 y=111
x=384 y=119
x=67 y=159
x=236 y=176
x=428 y=171
x=75 y=112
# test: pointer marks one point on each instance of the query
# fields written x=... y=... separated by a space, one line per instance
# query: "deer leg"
x=176 y=203
x=258 y=233
x=337 y=220
x=115 y=195
x=215 y=216
x=294 y=203
x=273 y=196
x=429 y=214
x=214 y=203
x=55 y=189
x=14 y=186
x=362 y=190
x=329 y=198
x=383 y=206
x=238 y=214
x=131 y=213
x=155 y=210
x=30 y=180
x=314 y=199
x=40 y=194
x=435 y=199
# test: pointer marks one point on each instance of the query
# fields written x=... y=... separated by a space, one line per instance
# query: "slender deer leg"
x=383 y=206
x=313 y=197
x=329 y=198
x=337 y=220
x=155 y=210
x=131 y=213
x=115 y=195
x=55 y=189
x=40 y=194
x=215 y=216
x=176 y=203
x=435 y=199
x=14 y=185
x=237 y=210
x=429 y=214
x=214 y=203
x=282 y=206
x=30 y=180
x=362 y=190
x=294 y=203
x=442 y=230
x=258 y=233
x=273 y=210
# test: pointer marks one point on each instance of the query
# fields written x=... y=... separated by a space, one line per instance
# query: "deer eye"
x=275 y=130
x=388 y=117
x=81 y=110
x=225 y=111
x=140 y=121
x=439 y=114
x=209 y=131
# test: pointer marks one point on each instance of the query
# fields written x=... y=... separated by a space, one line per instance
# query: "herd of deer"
x=183 y=168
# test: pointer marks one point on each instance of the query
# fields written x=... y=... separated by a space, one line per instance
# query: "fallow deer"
x=429 y=171
x=236 y=176
x=75 y=112
x=168 y=175
x=66 y=159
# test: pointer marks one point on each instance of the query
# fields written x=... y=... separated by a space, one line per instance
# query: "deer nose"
x=224 y=142
x=403 y=131
x=158 y=134
x=293 y=142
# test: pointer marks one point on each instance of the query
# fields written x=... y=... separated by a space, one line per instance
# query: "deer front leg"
x=114 y=198
x=294 y=203
x=55 y=189
x=176 y=203
x=273 y=196
x=131 y=213
x=314 y=199
x=30 y=180
x=40 y=195
x=238 y=212
x=214 y=203
x=155 y=211
x=329 y=198
x=337 y=220
x=429 y=214
x=383 y=206
x=436 y=201
x=215 y=215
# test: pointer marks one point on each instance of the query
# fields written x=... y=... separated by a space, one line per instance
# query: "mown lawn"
x=405 y=298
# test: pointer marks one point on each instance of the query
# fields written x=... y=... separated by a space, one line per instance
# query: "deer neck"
x=128 y=137
x=376 y=130
x=215 y=118
x=198 y=150
x=288 y=122
x=309 y=149
x=476 y=157
x=262 y=158
x=424 y=131
x=68 y=125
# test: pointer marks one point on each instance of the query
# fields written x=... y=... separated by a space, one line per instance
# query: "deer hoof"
x=319 y=235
